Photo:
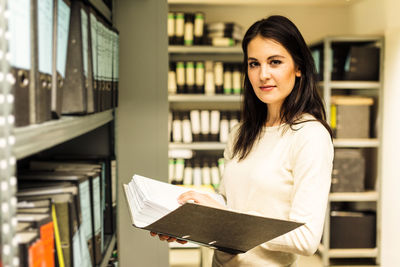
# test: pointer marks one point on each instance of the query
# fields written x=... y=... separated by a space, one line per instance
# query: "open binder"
x=225 y=230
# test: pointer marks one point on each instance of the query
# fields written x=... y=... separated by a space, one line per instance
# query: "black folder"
x=225 y=230
x=42 y=14
x=62 y=13
x=77 y=77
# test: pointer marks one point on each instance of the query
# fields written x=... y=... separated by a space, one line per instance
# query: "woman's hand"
x=199 y=198
x=168 y=238
x=196 y=197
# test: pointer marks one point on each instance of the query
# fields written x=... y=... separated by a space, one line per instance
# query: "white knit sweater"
x=287 y=175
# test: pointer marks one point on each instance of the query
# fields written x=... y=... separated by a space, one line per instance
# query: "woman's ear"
x=298 y=72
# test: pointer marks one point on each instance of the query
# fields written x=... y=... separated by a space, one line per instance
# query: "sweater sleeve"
x=311 y=157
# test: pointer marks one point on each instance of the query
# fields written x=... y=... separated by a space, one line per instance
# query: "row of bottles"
x=204 y=77
x=190 y=29
x=206 y=171
x=202 y=125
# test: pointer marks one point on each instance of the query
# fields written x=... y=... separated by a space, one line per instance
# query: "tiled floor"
x=185 y=257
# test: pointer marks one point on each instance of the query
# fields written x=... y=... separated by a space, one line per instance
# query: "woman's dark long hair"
x=304 y=97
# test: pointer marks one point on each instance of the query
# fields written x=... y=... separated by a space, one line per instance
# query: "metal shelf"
x=204 y=98
x=356 y=142
x=354 y=196
x=352 y=85
x=198 y=146
x=350 y=252
x=261 y=2
x=204 y=49
x=34 y=138
x=107 y=254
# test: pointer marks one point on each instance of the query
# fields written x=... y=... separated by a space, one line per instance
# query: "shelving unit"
x=372 y=88
x=187 y=102
x=20 y=142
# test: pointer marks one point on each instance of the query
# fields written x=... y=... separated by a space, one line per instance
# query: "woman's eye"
x=253 y=64
x=275 y=62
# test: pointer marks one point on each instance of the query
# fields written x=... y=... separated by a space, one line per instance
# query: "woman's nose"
x=265 y=73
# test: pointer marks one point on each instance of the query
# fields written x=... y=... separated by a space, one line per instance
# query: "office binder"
x=94 y=53
x=207 y=226
x=66 y=217
x=43 y=11
x=93 y=174
x=77 y=77
x=83 y=239
x=26 y=240
x=115 y=68
x=44 y=223
x=20 y=47
x=62 y=12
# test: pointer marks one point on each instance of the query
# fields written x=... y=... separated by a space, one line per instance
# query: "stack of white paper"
x=149 y=199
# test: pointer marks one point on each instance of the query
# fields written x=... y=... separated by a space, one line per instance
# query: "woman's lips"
x=267 y=88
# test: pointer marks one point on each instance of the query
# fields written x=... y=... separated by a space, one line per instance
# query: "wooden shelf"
x=354 y=196
x=200 y=98
x=204 y=49
x=356 y=142
x=198 y=146
x=37 y=137
x=350 y=252
x=352 y=85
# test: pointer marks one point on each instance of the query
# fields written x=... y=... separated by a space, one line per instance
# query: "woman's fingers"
x=190 y=195
x=181 y=241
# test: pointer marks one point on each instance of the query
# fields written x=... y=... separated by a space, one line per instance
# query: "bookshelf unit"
x=18 y=143
x=187 y=102
x=371 y=196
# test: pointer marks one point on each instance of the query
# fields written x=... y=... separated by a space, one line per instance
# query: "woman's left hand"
x=199 y=198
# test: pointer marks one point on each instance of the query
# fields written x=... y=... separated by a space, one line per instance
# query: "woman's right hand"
x=168 y=238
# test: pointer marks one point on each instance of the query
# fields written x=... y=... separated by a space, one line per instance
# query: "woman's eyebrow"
x=270 y=57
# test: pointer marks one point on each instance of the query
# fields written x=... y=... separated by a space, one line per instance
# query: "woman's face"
x=271 y=71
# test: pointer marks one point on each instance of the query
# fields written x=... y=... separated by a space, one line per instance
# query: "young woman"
x=279 y=159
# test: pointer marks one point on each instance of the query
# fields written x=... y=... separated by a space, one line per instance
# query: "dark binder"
x=207 y=226
x=62 y=12
x=93 y=44
x=22 y=59
x=43 y=22
x=77 y=79
x=115 y=69
x=219 y=229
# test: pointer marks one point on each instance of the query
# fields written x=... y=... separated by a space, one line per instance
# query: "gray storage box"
x=348 y=174
x=350 y=116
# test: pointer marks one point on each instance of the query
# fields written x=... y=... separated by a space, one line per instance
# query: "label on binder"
x=19 y=25
x=63 y=16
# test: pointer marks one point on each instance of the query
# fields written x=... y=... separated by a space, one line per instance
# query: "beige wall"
x=314 y=22
x=382 y=17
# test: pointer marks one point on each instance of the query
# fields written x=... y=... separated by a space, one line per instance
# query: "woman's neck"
x=273 y=118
